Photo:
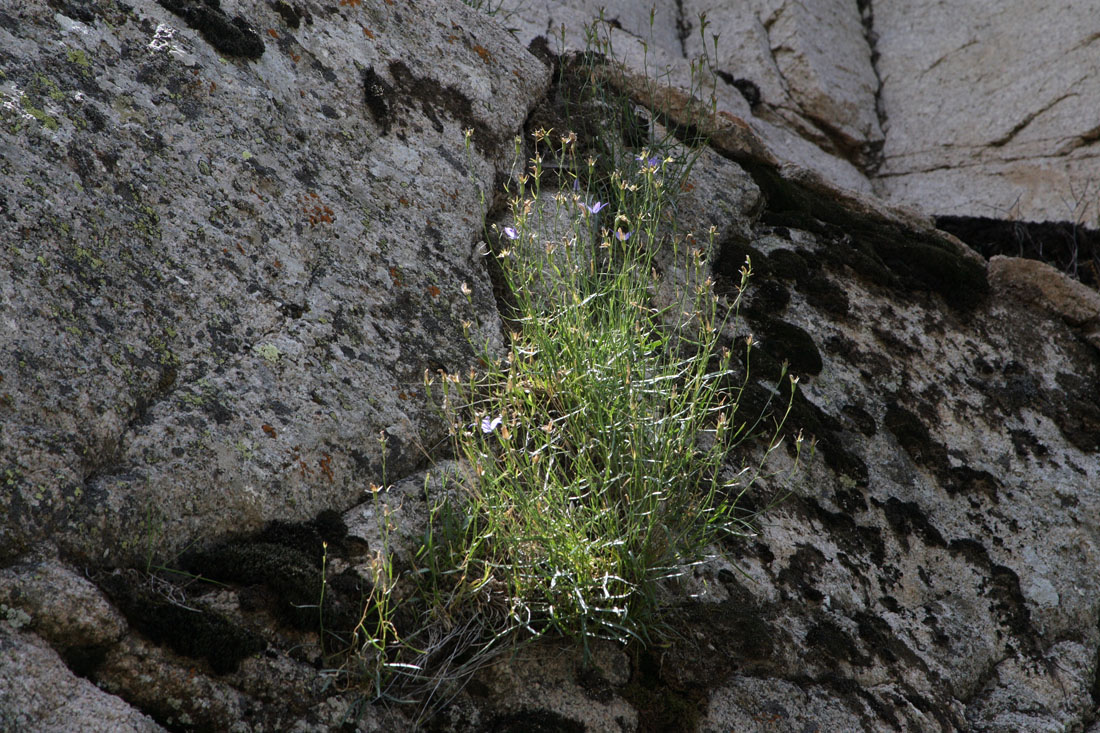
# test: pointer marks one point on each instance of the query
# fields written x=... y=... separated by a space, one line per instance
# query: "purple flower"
x=595 y=208
x=511 y=233
x=654 y=162
x=621 y=235
x=488 y=426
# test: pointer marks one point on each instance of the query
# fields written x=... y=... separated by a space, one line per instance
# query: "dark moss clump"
x=860 y=419
x=1078 y=411
x=233 y=37
x=923 y=264
x=914 y=437
x=292 y=14
x=1003 y=590
x=786 y=341
x=805 y=269
x=82 y=10
x=826 y=430
x=881 y=252
x=802 y=572
x=378 y=95
x=660 y=707
x=410 y=89
x=1064 y=244
x=834 y=643
x=765 y=294
x=732 y=256
x=186 y=629
x=906 y=519
x=748 y=88
x=855 y=539
x=850 y=500
x=1074 y=407
x=964 y=480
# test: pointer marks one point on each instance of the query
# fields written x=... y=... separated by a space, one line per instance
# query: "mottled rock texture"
x=224 y=274
x=234 y=235
x=959 y=109
x=986 y=116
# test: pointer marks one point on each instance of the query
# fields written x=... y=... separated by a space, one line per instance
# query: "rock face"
x=228 y=271
x=958 y=109
x=236 y=235
x=984 y=117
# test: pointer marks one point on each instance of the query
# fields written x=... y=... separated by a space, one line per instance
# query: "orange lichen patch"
x=269 y=430
x=213 y=86
x=368 y=32
x=434 y=291
x=326 y=466
x=351 y=3
x=452 y=38
x=315 y=210
x=271 y=32
x=403 y=201
x=296 y=459
x=395 y=275
x=295 y=57
x=484 y=54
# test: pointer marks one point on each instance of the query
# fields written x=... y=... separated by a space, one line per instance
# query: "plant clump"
x=606 y=448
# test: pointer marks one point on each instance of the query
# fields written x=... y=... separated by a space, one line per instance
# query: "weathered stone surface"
x=225 y=272
x=64 y=608
x=956 y=109
x=1038 y=283
x=395 y=518
x=38 y=692
x=691 y=63
x=942 y=527
x=986 y=116
x=810 y=63
x=223 y=277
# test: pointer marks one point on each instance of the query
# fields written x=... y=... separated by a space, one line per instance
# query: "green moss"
x=77 y=57
x=267 y=352
x=46 y=120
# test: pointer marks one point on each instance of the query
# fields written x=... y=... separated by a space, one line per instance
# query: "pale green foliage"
x=603 y=448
